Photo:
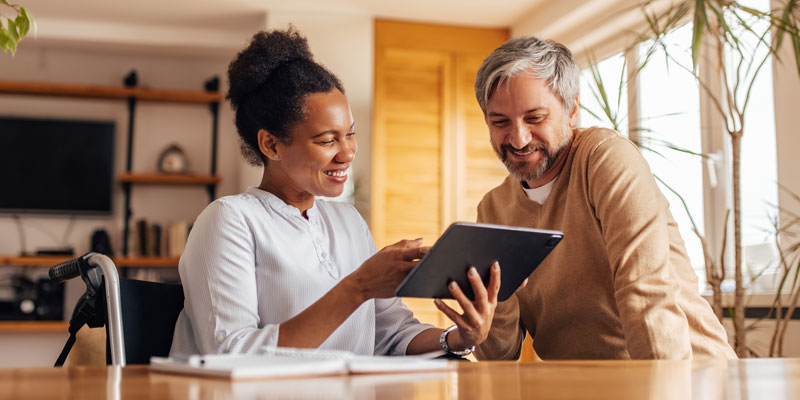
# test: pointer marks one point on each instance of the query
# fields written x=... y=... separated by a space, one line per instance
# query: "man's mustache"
x=529 y=147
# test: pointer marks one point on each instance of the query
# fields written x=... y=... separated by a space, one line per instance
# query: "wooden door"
x=478 y=168
x=408 y=196
x=432 y=159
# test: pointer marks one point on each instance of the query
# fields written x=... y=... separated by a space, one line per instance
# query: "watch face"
x=173 y=160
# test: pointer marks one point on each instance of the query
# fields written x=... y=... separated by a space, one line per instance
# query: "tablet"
x=519 y=251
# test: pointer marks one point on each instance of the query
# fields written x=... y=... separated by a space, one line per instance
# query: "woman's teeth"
x=336 y=173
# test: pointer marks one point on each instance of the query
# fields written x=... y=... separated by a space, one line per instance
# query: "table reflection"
x=367 y=387
x=737 y=379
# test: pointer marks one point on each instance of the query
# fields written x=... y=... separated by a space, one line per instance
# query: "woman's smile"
x=337 y=175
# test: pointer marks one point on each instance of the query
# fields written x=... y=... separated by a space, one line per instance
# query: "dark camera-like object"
x=39 y=299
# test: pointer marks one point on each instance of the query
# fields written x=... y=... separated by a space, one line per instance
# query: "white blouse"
x=252 y=262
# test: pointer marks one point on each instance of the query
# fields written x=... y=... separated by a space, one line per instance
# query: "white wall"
x=786 y=89
x=156 y=126
x=344 y=44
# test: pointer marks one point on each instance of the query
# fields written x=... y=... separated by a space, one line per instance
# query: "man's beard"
x=524 y=171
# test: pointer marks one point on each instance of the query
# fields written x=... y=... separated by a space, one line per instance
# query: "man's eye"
x=535 y=118
x=326 y=142
x=351 y=134
x=500 y=122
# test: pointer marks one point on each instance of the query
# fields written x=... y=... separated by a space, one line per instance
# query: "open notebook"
x=290 y=362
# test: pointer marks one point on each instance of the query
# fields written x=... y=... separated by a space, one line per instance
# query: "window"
x=670 y=135
x=612 y=111
x=759 y=170
x=668 y=130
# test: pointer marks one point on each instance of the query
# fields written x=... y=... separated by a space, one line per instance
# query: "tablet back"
x=519 y=251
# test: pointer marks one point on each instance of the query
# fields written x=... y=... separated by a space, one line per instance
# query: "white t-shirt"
x=539 y=194
x=252 y=262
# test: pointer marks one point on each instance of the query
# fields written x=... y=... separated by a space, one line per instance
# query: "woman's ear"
x=268 y=144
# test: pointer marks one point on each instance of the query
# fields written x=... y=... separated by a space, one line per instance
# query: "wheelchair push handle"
x=96 y=270
x=67 y=270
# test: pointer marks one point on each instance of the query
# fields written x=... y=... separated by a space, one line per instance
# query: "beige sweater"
x=619 y=285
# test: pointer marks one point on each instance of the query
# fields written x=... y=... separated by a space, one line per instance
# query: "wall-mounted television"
x=56 y=166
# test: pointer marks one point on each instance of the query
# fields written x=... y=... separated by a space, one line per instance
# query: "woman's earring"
x=276 y=157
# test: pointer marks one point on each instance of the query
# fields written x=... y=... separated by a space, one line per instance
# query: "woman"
x=274 y=266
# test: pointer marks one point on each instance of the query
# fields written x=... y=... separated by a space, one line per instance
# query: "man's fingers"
x=494 y=282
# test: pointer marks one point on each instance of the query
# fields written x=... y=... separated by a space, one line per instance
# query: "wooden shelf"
x=120 y=262
x=169 y=179
x=108 y=92
x=38 y=261
x=146 y=262
x=34 y=326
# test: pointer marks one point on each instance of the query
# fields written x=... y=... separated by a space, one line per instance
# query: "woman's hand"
x=382 y=273
x=476 y=320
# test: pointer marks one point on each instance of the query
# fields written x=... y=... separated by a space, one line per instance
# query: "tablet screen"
x=518 y=250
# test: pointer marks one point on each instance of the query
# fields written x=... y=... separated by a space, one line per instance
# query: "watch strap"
x=447 y=349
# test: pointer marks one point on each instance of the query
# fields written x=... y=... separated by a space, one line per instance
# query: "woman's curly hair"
x=267 y=86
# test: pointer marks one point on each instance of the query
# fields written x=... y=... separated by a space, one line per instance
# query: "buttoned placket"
x=321 y=244
x=312 y=225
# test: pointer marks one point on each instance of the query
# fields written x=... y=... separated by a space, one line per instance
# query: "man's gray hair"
x=543 y=59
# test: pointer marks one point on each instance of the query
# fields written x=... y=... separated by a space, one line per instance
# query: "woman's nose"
x=347 y=153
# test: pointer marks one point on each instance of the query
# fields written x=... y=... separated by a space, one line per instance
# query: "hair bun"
x=268 y=50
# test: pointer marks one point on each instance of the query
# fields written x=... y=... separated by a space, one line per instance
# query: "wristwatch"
x=447 y=349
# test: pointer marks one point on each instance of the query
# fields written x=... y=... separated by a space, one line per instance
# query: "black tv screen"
x=56 y=166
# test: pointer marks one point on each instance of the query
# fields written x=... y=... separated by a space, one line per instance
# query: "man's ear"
x=573 y=116
x=268 y=144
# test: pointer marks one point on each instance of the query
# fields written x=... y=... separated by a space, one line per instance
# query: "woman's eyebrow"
x=334 y=131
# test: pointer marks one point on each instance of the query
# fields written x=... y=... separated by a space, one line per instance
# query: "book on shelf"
x=274 y=363
x=177 y=231
x=142 y=238
x=154 y=240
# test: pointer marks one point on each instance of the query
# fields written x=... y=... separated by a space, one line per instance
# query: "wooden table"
x=748 y=379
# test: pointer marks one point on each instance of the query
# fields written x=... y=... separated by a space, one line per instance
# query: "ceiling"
x=222 y=13
x=216 y=26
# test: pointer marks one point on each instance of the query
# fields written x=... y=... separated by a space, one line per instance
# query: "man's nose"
x=520 y=136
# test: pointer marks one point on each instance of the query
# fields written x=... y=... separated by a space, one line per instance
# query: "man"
x=620 y=284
